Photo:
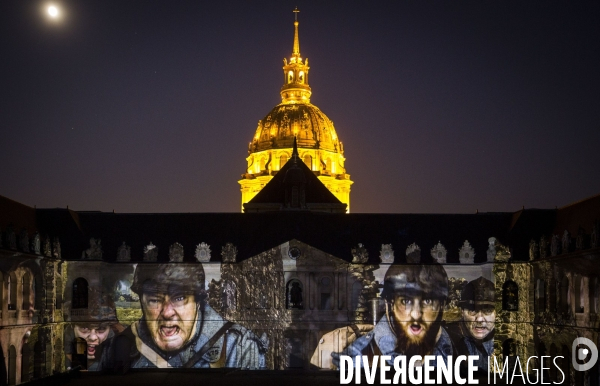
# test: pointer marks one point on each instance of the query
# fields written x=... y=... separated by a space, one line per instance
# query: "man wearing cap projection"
x=179 y=329
x=474 y=335
x=96 y=327
x=414 y=296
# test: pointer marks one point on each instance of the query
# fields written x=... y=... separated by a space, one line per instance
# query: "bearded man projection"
x=415 y=295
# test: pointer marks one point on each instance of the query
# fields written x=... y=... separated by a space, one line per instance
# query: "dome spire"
x=296 y=51
x=292 y=125
x=295 y=151
x=295 y=88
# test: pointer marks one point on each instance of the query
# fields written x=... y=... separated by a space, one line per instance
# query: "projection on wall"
x=277 y=310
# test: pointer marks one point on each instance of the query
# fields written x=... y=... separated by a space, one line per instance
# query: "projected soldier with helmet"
x=179 y=329
x=474 y=335
x=414 y=296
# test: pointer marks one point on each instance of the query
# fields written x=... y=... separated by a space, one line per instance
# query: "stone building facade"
x=293 y=277
x=31 y=291
x=292 y=268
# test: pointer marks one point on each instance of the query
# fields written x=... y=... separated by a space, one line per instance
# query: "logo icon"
x=580 y=353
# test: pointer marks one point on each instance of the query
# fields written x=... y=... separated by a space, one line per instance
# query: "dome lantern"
x=295 y=87
x=295 y=118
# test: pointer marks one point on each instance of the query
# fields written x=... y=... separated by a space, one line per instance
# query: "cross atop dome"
x=296 y=51
x=295 y=72
x=295 y=132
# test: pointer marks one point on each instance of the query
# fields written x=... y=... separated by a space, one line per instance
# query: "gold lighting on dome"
x=318 y=143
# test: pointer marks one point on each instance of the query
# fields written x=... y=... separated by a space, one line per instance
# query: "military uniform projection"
x=474 y=335
x=178 y=328
x=415 y=296
x=90 y=334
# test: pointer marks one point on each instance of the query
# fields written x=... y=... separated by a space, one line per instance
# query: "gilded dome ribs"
x=296 y=117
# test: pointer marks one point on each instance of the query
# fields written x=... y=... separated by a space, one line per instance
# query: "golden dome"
x=318 y=144
x=306 y=122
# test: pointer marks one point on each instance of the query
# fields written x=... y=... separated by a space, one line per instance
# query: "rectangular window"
x=325 y=301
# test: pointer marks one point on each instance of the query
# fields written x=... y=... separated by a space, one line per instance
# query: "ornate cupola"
x=319 y=147
x=295 y=73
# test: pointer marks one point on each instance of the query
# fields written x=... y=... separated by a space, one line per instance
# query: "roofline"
x=579 y=201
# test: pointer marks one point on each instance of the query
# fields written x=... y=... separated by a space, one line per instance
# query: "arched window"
x=25 y=358
x=48 y=358
x=282 y=160
x=595 y=292
x=356 y=290
x=290 y=76
x=34 y=296
x=552 y=295
x=326 y=290
x=1 y=286
x=59 y=293
x=80 y=293
x=12 y=291
x=26 y=281
x=509 y=348
x=295 y=348
x=38 y=360
x=294 y=294
x=58 y=351
x=510 y=296
x=579 y=294
x=540 y=296
x=263 y=300
x=301 y=77
x=308 y=161
x=510 y=351
x=565 y=302
x=12 y=365
x=229 y=296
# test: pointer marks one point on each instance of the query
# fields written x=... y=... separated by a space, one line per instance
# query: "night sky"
x=449 y=107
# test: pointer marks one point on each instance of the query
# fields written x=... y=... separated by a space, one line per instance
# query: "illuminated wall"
x=292 y=307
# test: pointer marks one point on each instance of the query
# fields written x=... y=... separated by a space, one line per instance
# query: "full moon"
x=52 y=11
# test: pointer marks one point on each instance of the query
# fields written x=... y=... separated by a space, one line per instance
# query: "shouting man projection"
x=179 y=329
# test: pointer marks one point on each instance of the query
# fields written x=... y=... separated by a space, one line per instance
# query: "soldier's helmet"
x=428 y=280
x=479 y=293
x=101 y=309
x=169 y=279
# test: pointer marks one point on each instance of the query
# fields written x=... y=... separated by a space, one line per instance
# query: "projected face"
x=479 y=322
x=94 y=334
x=415 y=315
x=170 y=318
